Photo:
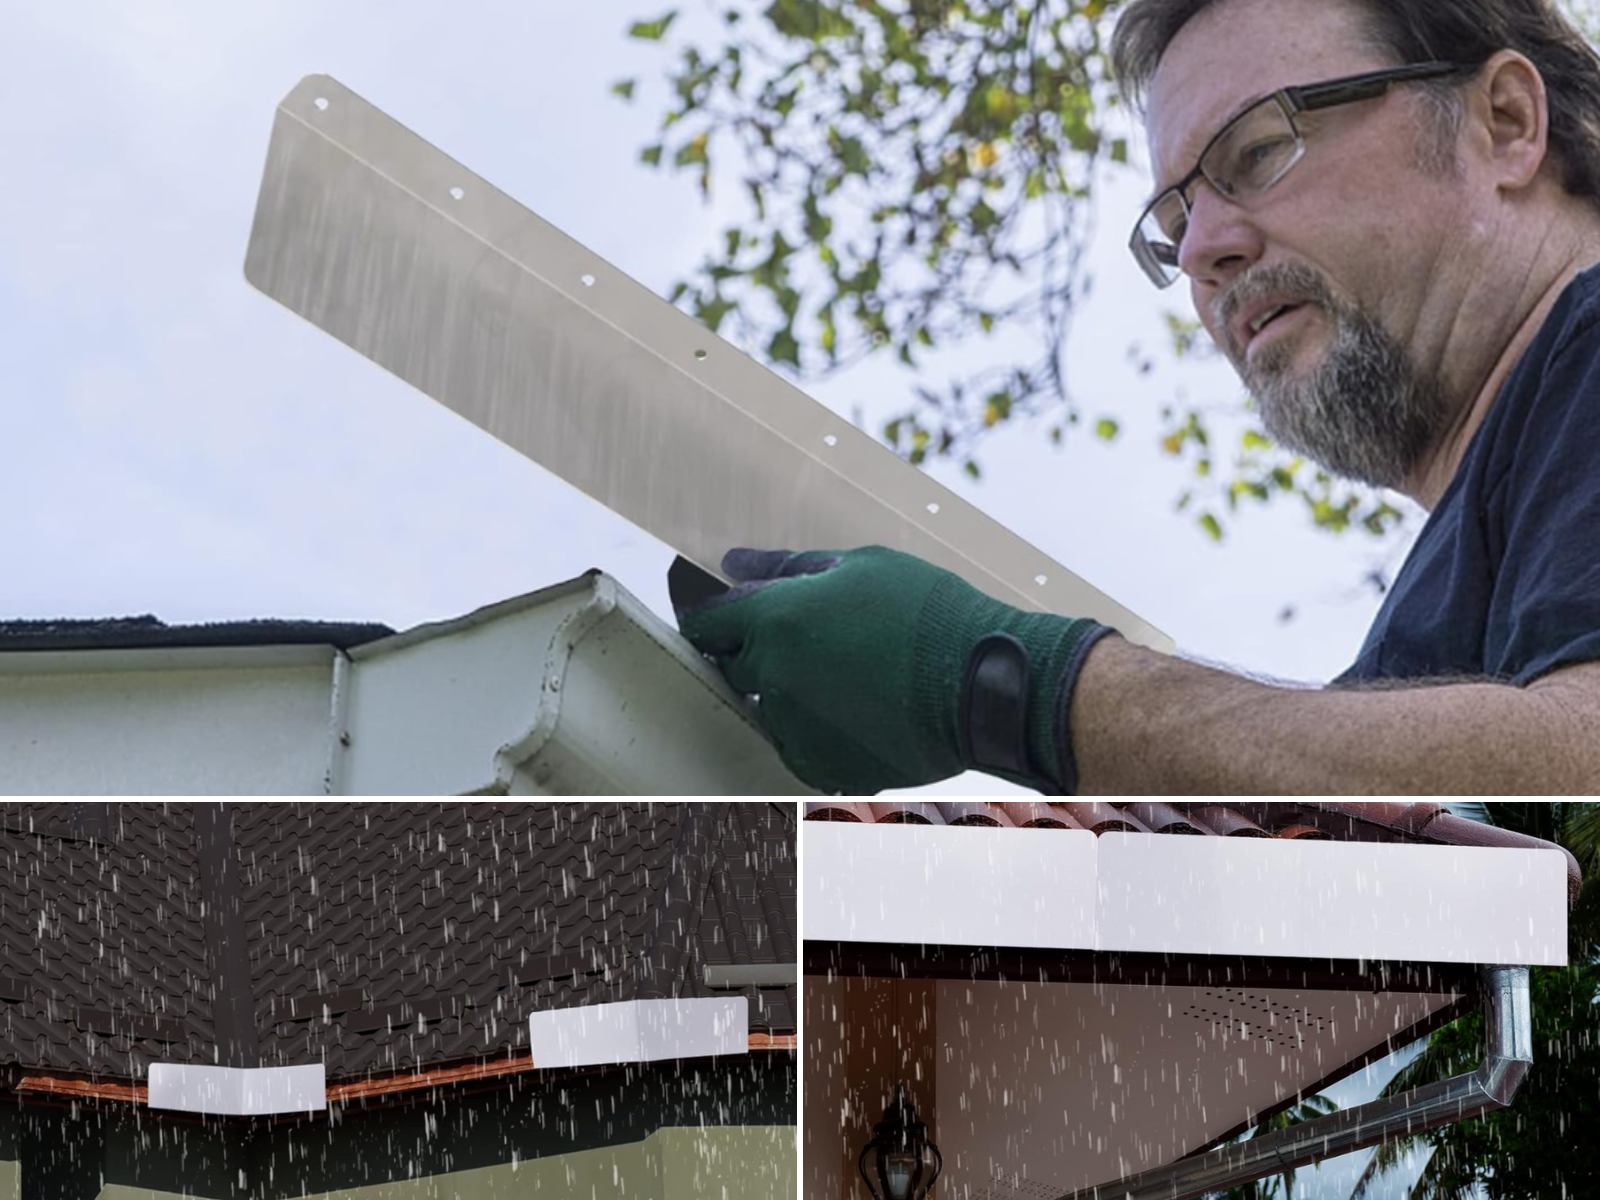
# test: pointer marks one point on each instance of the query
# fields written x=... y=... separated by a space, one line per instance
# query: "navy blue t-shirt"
x=1504 y=581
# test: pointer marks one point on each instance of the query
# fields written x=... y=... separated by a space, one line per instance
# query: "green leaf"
x=972 y=469
x=818 y=224
x=852 y=153
x=1255 y=441
x=920 y=441
x=784 y=348
x=712 y=312
x=1212 y=526
x=693 y=151
x=623 y=88
x=808 y=19
x=983 y=217
x=651 y=156
x=653 y=31
x=1106 y=429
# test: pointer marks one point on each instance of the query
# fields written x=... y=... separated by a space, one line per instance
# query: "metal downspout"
x=1508 y=1053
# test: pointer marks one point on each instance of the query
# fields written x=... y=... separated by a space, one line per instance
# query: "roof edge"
x=1435 y=823
x=70 y=1086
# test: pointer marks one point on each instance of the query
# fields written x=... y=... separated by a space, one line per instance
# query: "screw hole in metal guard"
x=1041 y=580
x=321 y=102
x=933 y=508
x=831 y=440
x=587 y=280
x=456 y=193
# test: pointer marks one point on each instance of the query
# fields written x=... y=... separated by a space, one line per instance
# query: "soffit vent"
x=1254 y=1014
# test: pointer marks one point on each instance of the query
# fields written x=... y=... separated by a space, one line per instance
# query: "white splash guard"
x=238 y=1091
x=639 y=1031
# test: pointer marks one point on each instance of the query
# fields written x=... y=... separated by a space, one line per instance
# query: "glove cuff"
x=1015 y=672
x=1056 y=649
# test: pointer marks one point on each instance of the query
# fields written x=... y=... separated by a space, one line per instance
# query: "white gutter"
x=639 y=1031
x=1155 y=893
x=238 y=1091
x=577 y=689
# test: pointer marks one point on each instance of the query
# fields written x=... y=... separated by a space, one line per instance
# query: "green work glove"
x=877 y=670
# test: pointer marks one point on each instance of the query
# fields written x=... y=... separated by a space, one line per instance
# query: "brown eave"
x=75 y=1087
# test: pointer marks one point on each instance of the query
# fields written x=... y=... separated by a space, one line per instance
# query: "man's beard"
x=1365 y=411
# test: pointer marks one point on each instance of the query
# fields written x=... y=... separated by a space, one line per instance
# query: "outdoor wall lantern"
x=904 y=1162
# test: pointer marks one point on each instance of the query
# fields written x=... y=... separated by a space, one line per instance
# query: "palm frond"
x=1386 y=1158
x=1439 y=1181
x=1581 y=835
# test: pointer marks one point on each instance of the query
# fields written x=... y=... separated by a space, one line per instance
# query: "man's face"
x=1345 y=249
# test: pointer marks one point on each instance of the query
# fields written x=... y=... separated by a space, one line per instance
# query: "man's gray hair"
x=1414 y=31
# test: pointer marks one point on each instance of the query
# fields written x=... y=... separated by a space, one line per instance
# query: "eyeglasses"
x=1252 y=152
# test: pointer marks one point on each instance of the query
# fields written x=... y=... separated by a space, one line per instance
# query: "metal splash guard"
x=397 y=250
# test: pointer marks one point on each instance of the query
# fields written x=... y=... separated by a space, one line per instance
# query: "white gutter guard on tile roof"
x=403 y=254
x=1068 y=889
x=238 y=1091
x=639 y=1031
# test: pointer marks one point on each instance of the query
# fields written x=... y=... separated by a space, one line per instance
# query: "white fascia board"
x=941 y=884
x=639 y=1031
x=1176 y=895
x=238 y=1091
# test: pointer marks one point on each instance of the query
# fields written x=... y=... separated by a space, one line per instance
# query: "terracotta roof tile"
x=972 y=812
x=1164 y=818
x=1378 y=821
x=906 y=812
x=840 y=810
x=1227 y=822
x=1101 y=817
x=1034 y=814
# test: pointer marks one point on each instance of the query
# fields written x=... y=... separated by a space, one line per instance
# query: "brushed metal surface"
x=413 y=261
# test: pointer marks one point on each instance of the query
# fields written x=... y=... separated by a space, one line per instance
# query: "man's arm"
x=1145 y=723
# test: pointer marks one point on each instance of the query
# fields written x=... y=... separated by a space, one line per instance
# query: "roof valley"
x=227 y=960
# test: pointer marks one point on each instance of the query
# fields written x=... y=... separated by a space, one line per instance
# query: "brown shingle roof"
x=1416 y=823
x=373 y=937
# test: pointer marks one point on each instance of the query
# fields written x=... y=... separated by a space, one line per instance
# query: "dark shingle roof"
x=374 y=937
x=147 y=632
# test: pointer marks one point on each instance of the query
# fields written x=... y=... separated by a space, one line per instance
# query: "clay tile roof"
x=1103 y=818
x=971 y=812
x=1420 y=823
x=1226 y=822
